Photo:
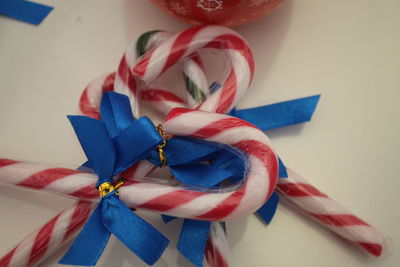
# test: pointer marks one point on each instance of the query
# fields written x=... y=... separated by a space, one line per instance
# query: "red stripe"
x=181 y=44
x=126 y=75
x=171 y=200
x=160 y=95
x=42 y=240
x=130 y=172
x=141 y=67
x=6 y=162
x=230 y=41
x=221 y=125
x=78 y=218
x=339 y=219
x=372 y=248
x=214 y=256
x=196 y=58
x=266 y=155
x=108 y=83
x=87 y=192
x=299 y=190
x=86 y=106
x=46 y=177
x=176 y=112
x=5 y=261
x=228 y=93
x=226 y=207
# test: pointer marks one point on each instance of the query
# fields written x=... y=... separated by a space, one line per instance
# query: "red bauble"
x=224 y=12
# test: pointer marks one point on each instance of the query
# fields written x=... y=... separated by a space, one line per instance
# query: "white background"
x=348 y=51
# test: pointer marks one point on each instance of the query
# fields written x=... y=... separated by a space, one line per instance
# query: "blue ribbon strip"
x=280 y=114
x=193 y=239
x=25 y=11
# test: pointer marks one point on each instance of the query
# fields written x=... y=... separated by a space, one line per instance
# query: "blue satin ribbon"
x=193 y=239
x=280 y=114
x=26 y=11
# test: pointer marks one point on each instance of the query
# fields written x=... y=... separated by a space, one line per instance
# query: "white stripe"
x=318 y=205
x=360 y=233
x=60 y=228
x=18 y=172
x=158 y=60
x=136 y=194
x=200 y=205
x=241 y=133
x=257 y=186
x=72 y=183
x=242 y=71
x=23 y=251
x=95 y=91
x=205 y=35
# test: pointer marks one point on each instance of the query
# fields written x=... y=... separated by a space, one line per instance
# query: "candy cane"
x=217 y=248
x=178 y=201
x=180 y=46
x=177 y=48
x=47 y=239
x=305 y=197
x=154 y=64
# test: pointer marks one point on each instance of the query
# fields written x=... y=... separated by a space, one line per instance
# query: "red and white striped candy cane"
x=308 y=199
x=217 y=248
x=50 y=237
x=183 y=45
x=179 y=201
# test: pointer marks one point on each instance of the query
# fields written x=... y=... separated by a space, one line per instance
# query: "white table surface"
x=348 y=51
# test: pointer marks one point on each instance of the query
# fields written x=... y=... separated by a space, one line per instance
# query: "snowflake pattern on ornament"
x=209 y=5
x=178 y=9
x=255 y=3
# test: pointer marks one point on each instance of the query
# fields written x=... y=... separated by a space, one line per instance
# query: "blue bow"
x=114 y=144
x=111 y=146
x=194 y=234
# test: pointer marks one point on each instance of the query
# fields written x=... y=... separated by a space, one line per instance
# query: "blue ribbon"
x=280 y=114
x=26 y=11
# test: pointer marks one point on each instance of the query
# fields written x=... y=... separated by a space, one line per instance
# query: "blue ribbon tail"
x=135 y=233
x=193 y=239
x=280 y=114
x=267 y=211
x=26 y=11
x=282 y=169
x=90 y=243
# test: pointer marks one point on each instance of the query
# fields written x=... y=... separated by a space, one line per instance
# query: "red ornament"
x=224 y=12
